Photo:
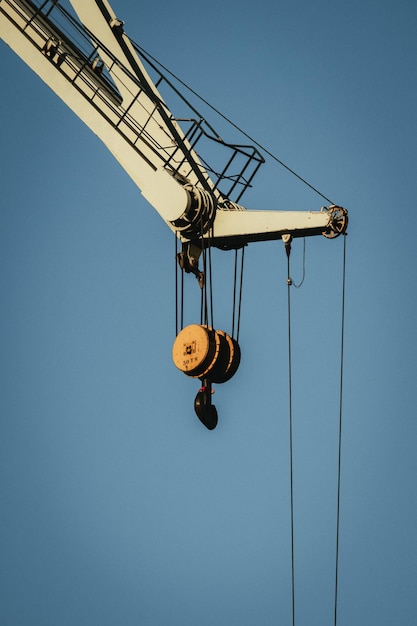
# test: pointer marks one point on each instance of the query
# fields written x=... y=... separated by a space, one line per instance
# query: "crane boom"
x=100 y=76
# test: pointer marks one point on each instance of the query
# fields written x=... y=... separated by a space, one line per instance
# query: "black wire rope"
x=229 y=121
x=234 y=295
x=182 y=299
x=289 y=283
x=179 y=292
x=210 y=281
x=206 y=310
x=176 y=283
x=237 y=293
x=204 y=305
x=240 y=293
x=339 y=461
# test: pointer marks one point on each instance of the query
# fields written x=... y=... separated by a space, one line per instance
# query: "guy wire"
x=143 y=52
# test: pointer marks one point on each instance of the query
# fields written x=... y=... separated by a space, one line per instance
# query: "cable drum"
x=202 y=352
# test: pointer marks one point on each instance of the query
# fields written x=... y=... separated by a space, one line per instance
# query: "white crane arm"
x=103 y=81
x=99 y=18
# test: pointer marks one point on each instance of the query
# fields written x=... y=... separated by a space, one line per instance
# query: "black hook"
x=205 y=410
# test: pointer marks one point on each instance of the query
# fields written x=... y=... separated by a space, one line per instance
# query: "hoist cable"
x=176 y=283
x=207 y=312
x=237 y=293
x=182 y=300
x=234 y=294
x=289 y=282
x=210 y=277
x=179 y=291
x=339 y=462
x=240 y=293
x=229 y=121
x=204 y=305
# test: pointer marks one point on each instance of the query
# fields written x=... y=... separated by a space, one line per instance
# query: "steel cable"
x=289 y=283
x=145 y=54
x=240 y=294
x=339 y=461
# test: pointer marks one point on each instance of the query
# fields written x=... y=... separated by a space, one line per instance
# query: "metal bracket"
x=188 y=261
x=287 y=239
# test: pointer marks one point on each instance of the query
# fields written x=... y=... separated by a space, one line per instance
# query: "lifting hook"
x=205 y=410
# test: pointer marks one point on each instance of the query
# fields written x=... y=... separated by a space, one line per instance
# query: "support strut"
x=188 y=261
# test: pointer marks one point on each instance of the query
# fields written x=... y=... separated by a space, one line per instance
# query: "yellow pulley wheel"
x=212 y=362
x=194 y=349
x=229 y=361
x=218 y=371
x=234 y=360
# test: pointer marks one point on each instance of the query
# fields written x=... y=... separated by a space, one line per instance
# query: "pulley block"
x=211 y=355
x=203 y=352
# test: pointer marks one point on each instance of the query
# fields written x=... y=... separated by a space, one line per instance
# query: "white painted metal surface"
x=133 y=129
x=263 y=225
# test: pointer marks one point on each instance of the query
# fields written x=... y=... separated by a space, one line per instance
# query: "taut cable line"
x=234 y=294
x=176 y=283
x=339 y=462
x=242 y=259
x=237 y=293
x=289 y=283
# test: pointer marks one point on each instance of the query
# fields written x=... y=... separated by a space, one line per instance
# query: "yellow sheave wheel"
x=202 y=352
x=230 y=360
x=194 y=349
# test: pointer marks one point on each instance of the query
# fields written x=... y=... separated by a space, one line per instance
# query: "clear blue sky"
x=117 y=505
